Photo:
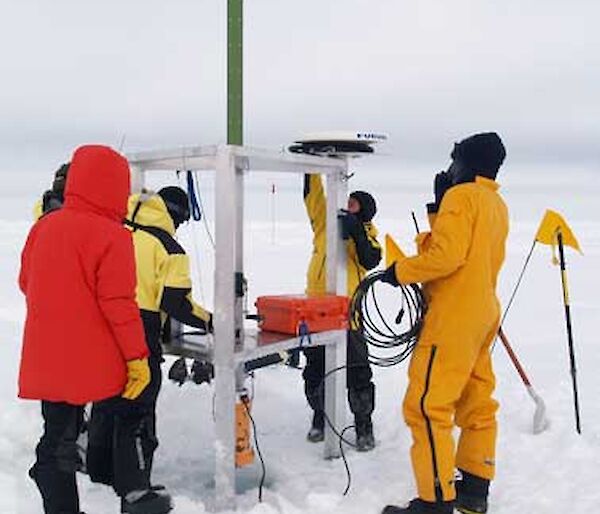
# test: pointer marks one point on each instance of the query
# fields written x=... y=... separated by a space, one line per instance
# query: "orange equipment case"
x=295 y=314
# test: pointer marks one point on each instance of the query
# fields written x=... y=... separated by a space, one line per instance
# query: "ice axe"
x=540 y=420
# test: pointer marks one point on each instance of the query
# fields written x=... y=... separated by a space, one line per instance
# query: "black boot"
x=362 y=403
x=365 y=440
x=315 y=396
x=58 y=490
x=316 y=434
x=151 y=502
x=159 y=489
x=418 y=506
x=472 y=493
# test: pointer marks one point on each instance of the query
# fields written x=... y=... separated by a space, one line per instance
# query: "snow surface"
x=549 y=473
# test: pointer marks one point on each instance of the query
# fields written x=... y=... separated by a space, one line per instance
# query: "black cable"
x=203 y=212
x=340 y=435
x=348 y=475
x=262 y=462
x=370 y=332
x=376 y=331
x=325 y=416
x=514 y=292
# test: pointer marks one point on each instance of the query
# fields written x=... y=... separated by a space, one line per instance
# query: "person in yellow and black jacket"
x=163 y=290
x=363 y=253
x=451 y=379
x=54 y=197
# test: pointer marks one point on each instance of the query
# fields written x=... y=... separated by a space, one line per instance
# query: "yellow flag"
x=551 y=224
x=392 y=251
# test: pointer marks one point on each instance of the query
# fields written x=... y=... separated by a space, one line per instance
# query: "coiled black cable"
x=370 y=326
x=388 y=343
x=375 y=331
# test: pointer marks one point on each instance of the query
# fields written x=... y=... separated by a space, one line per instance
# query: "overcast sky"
x=427 y=72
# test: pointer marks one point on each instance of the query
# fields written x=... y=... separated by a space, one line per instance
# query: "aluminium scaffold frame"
x=234 y=344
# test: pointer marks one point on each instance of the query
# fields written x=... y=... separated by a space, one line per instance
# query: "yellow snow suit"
x=316 y=208
x=450 y=375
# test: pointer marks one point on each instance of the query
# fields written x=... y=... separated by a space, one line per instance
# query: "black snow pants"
x=122 y=438
x=361 y=390
x=57 y=458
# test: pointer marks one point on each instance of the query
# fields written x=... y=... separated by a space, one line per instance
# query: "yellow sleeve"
x=422 y=240
x=315 y=202
x=197 y=309
x=38 y=210
x=176 y=271
x=445 y=250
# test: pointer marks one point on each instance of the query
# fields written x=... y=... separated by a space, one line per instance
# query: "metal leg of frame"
x=225 y=332
x=335 y=354
x=335 y=395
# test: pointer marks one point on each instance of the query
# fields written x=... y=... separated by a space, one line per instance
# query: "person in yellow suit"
x=363 y=253
x=52 y=198
x=450 y=375
x=163 y=290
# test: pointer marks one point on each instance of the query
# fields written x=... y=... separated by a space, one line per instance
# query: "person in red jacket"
x=83 y=338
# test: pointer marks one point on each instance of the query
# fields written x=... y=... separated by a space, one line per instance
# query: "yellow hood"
x=152 y=212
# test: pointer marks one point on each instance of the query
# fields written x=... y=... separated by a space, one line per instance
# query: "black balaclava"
x=60 y=180
x=177 y=203
x=481 y=154
x=368 y=207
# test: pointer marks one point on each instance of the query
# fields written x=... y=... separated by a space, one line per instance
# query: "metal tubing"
x=224 y=315
x=239 y=256
x=137 y=179
x=335 y=354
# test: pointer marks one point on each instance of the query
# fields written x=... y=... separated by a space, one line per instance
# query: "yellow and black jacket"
x=38 y=210
x=163 y=271
x=363 y=249
x=49 y=202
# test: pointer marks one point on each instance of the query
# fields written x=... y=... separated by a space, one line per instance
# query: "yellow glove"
x=138 y=377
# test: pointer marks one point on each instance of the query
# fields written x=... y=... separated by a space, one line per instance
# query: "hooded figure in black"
x=164 y=290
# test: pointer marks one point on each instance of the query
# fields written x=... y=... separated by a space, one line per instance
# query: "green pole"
x=235 y=46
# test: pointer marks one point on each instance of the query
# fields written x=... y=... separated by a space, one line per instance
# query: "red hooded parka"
x=78 y=276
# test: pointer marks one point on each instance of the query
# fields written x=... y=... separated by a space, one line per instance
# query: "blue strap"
x=194 y=205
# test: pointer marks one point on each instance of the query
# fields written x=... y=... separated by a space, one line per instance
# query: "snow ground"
x=549 y=473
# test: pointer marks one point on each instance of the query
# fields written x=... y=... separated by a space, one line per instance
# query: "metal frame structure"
x=235 y=344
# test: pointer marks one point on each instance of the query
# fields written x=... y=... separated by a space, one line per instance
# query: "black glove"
x=389 y=276
x=441 y=183
x=350 y=225
x=202 y=371
x=178 y=372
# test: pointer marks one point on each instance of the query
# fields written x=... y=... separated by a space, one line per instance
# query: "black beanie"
x=176 y=200
x=482 y=153
x=368 y=207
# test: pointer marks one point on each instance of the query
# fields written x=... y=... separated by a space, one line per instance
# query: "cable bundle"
x=369 y=323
